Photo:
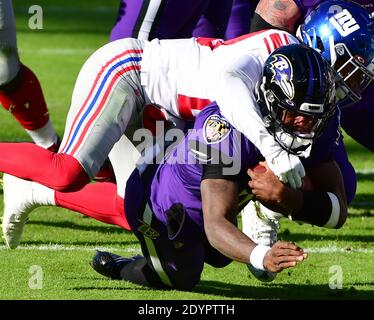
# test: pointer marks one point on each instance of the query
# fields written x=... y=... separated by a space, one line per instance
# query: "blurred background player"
x=171 y=19
x=20 y=91
x=175 y=19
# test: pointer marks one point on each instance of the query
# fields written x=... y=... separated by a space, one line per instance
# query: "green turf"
x=62 y=242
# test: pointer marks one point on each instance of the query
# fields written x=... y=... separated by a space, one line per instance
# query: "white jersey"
x=185 y=75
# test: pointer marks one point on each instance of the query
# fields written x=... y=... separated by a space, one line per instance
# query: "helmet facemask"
x=355 y=77
x=277 y=115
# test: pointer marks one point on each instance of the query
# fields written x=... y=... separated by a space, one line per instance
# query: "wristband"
x=257 y=256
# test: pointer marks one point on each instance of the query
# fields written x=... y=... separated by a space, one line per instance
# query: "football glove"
x=287 y=167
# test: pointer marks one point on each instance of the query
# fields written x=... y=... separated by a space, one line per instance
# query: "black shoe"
x=109 y=264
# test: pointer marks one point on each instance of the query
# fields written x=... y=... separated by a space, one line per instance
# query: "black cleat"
x=109 y=264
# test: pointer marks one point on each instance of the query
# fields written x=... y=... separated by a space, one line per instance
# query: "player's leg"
x=172 y=245
x=166 y=262
x=358 y=120
x=102 y=104
x=106 y=95
x=214 y=19
x=165 y=19
x=101 y=201
x=20 y=91
x=240 y=18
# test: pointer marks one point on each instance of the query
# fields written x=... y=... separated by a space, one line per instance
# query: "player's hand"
x=283 y=255
x=287 y=167
x=265 y=185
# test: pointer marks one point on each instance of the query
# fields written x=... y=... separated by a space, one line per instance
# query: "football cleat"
x=261 y=230
x=109 y=264
x=258 y=226
x=18 y=203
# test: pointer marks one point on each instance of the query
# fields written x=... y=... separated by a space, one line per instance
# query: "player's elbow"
x=212 y=233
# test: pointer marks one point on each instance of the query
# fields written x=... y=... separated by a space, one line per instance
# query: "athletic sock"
x=23 y=98
x=45 y=137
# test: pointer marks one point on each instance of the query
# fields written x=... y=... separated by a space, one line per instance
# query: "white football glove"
x=287 y=167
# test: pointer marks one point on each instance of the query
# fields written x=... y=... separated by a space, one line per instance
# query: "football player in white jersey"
x=114 y=85
x=20 y=91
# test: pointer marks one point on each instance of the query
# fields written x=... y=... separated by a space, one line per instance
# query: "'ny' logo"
x=344 y=23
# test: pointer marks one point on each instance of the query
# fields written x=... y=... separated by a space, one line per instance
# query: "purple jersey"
x=171 y=19
x=240 y=18
x=306 y=6
x=357 y=120
x=163 y=205
x=214 y=142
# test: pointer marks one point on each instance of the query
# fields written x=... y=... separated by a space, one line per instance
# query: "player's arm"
x=324 y=206
x=219 y=200
x=237 y=101
x=282 y=14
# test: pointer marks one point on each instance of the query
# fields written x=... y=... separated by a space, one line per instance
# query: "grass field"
x=62 y=243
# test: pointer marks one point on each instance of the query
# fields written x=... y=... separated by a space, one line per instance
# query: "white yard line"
x=71 y=9
x=365 y=171
x=58 y=51
x=58 y=247
x=334 y=249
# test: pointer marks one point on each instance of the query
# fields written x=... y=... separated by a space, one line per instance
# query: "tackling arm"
x=236 y=98
x=219 y=199
x=324 y=206
x=280 y=14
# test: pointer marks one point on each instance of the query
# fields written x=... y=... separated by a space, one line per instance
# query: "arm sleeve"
x=236 y=99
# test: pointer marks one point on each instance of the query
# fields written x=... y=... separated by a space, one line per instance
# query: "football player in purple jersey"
x=184 y=210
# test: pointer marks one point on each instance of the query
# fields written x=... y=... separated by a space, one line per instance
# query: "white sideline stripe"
x=333 y=249
x=58 y=51
x=59 y=9
x=58 y=247
x=365 y=171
